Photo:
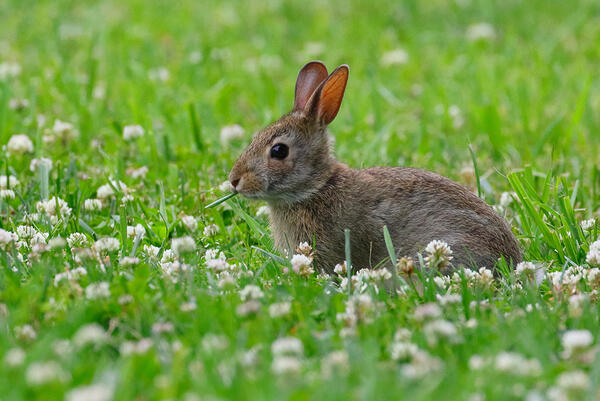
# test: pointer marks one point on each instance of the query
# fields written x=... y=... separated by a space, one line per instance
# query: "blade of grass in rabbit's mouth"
x=221 y=200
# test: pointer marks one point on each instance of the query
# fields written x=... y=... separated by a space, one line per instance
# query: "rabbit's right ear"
x=309 y=79
x=325 y=103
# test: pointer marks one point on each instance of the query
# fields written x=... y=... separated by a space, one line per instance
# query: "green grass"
x=522 y=107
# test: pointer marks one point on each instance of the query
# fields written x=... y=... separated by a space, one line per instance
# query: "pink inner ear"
x=332 y=94
x=309 y=78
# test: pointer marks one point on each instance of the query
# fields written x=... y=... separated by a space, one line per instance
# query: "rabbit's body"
x=313 y=196
x=417 y=206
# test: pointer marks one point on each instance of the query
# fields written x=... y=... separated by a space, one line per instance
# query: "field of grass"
x=116 y=282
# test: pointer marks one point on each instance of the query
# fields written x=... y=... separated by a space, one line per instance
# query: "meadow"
x=120 y=121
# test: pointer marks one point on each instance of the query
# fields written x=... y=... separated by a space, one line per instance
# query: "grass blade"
x=348 y=261
x=220 y=200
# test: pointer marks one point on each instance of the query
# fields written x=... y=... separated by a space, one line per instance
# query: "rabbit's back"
x=417 y=206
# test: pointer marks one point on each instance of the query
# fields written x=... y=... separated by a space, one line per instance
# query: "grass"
x=518 y=113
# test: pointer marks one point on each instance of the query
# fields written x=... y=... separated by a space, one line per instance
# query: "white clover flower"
x=7 y=238
x=7 y=194
x=61 y=130
x=137 y=230
x=231 y=132
x=251 y=292
x=575 y=380
x=506 y=198
x=18 y=104
x=151 y=251
x=90 y=334
x=225 y=186
x=421 y=365
x=40 y=373
x=168 y=256
x=340 y=269
x=593 y=255
x=136 y=173
x=129 y=261
x=107 y=191
x=7 y=182
x=9 y=70
x=125 y=299
x=525 y=268
x=55 y=208
x=93 y=392
x=394 y=57
x=215 y=260
x=593 y=277
x=97 y=290
x=19 y=145
x=160 y=74
x=195 y=57
x=262 y=211
x=575 y=341
x=251 y=307
x=69 y=275
x=92 y=205
x=162 y=327
x=190 y=222
x=174 y=268
x=304 y=249
x=14 y=357
x=302 y=265
x=401 y=350
x=480 y=31
x=359 y=308
x=25 y=332
x=442 y=282
x=35 y=163
x=456 y=116
x=214 y=342
x=439 y=254
x=516 y=364
x=107 y=244
x=427 y=311
x=286 y=365
x=183 y=245
x=136 y=347
x=440 y=329
x=280 y=309
x=335 y=362
x=449 y=299
x=287 y=346
x=57 y=243
x=26 y=232
x=132 y=132
x=211 y=230
x=226 y=280
x=587 y=225
x=77 y=240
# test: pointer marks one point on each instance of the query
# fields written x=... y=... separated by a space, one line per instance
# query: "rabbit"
x=313 y=197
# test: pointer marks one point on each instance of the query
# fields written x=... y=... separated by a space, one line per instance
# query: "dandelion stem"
x=390 y=248
x=221 y=200
x=348 y=261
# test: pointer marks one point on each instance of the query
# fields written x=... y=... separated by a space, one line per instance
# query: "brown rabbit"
x=313 y=196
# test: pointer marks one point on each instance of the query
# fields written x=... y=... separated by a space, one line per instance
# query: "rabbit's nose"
x=234 y=183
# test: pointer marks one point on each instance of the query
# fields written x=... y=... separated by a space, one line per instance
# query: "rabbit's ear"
x=309 y=79
x=327 y=99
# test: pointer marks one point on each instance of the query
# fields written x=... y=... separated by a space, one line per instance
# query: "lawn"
x=120 y=121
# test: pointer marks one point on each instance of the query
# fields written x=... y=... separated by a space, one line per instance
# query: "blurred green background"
x=517 y=79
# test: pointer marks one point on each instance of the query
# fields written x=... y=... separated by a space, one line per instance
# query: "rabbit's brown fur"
x=313 y=196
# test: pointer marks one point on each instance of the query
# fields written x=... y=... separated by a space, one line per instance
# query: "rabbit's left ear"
x=327 y=99
x=309 y=78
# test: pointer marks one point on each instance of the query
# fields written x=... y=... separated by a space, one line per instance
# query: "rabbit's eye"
x=279 y=151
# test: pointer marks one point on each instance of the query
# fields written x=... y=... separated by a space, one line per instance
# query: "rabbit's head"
x=290 y=159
